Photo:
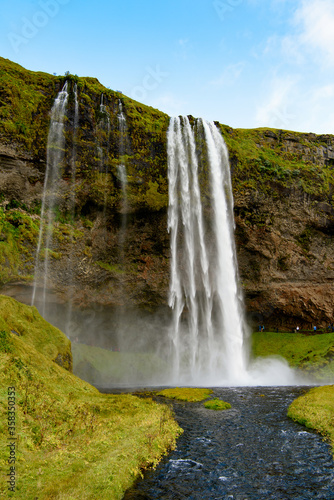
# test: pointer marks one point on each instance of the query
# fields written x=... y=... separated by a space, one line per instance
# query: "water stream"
x=251 y=452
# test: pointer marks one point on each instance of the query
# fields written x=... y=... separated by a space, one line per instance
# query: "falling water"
x=103 y=147
x=207 y=334
x=104 y=127
x=55 y=155
x=72 y=212
x=122 y=127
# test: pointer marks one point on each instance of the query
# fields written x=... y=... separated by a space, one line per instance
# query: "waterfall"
x=207 y=332
x=103 y=147
x=55 y=155
x=122 y=127
x=104 y=136
x=72 y=213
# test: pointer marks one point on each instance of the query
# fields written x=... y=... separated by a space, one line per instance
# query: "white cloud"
x=168 y=103
x=314 y=36
x=300 y=95
x=291 y=105
x=277 y=111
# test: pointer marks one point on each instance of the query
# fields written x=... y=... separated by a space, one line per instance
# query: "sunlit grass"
x=313 y=354
x=316 y=410
x=72 y=441
x=189 y=394
x=217 y=404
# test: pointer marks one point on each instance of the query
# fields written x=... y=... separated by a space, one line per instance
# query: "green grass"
x=189 y=394
x=315 y=410
x=313 y=354
x=72 y=441
x=102 y=367
x=217 y=404
x=260 y=164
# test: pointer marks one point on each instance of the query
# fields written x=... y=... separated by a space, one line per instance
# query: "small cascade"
x=103 y=108
x=72 y=210
x=103 y=147
x=55 y=155
x=207 y=334
x=104 y=128
x=122 y=127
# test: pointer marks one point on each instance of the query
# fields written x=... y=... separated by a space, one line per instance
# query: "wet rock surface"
x=250 y=452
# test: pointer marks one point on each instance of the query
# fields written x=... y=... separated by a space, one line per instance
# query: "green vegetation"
x=24 y=325
x=314 y=354
x=72 y=441
x=18 y=240
x=24 y=110
x=103 y=367
x=315 y=409
x=189 y=394
x=261 y=162
x=26 y=98
x=113 y=268
x=217 y=404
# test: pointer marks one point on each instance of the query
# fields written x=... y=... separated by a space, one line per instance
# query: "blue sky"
x=245 y=63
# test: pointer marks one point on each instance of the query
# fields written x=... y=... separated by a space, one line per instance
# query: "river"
x=251 y=452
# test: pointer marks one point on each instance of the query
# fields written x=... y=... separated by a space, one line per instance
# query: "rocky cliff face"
x=285 y=227
x=283 y=193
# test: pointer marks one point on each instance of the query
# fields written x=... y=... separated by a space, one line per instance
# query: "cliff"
x=283 y=203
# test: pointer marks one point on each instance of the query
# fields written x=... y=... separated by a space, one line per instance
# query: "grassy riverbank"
x=72 y=442
x=314 y=354
x=316 y=410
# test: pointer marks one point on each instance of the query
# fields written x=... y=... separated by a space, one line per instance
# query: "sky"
x=244 y=63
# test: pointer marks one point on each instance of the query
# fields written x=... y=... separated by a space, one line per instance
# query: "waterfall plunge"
x=208 y=331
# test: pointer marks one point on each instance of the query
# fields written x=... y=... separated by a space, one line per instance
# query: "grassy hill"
x=69 y=440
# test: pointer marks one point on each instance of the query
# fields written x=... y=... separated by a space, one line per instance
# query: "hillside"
x=67 y=439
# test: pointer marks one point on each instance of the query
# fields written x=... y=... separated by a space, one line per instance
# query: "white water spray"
x=55 y=155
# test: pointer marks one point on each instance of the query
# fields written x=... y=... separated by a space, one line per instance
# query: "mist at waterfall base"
x=202 y=338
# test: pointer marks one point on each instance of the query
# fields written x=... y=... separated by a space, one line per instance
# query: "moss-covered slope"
x=70 y=440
